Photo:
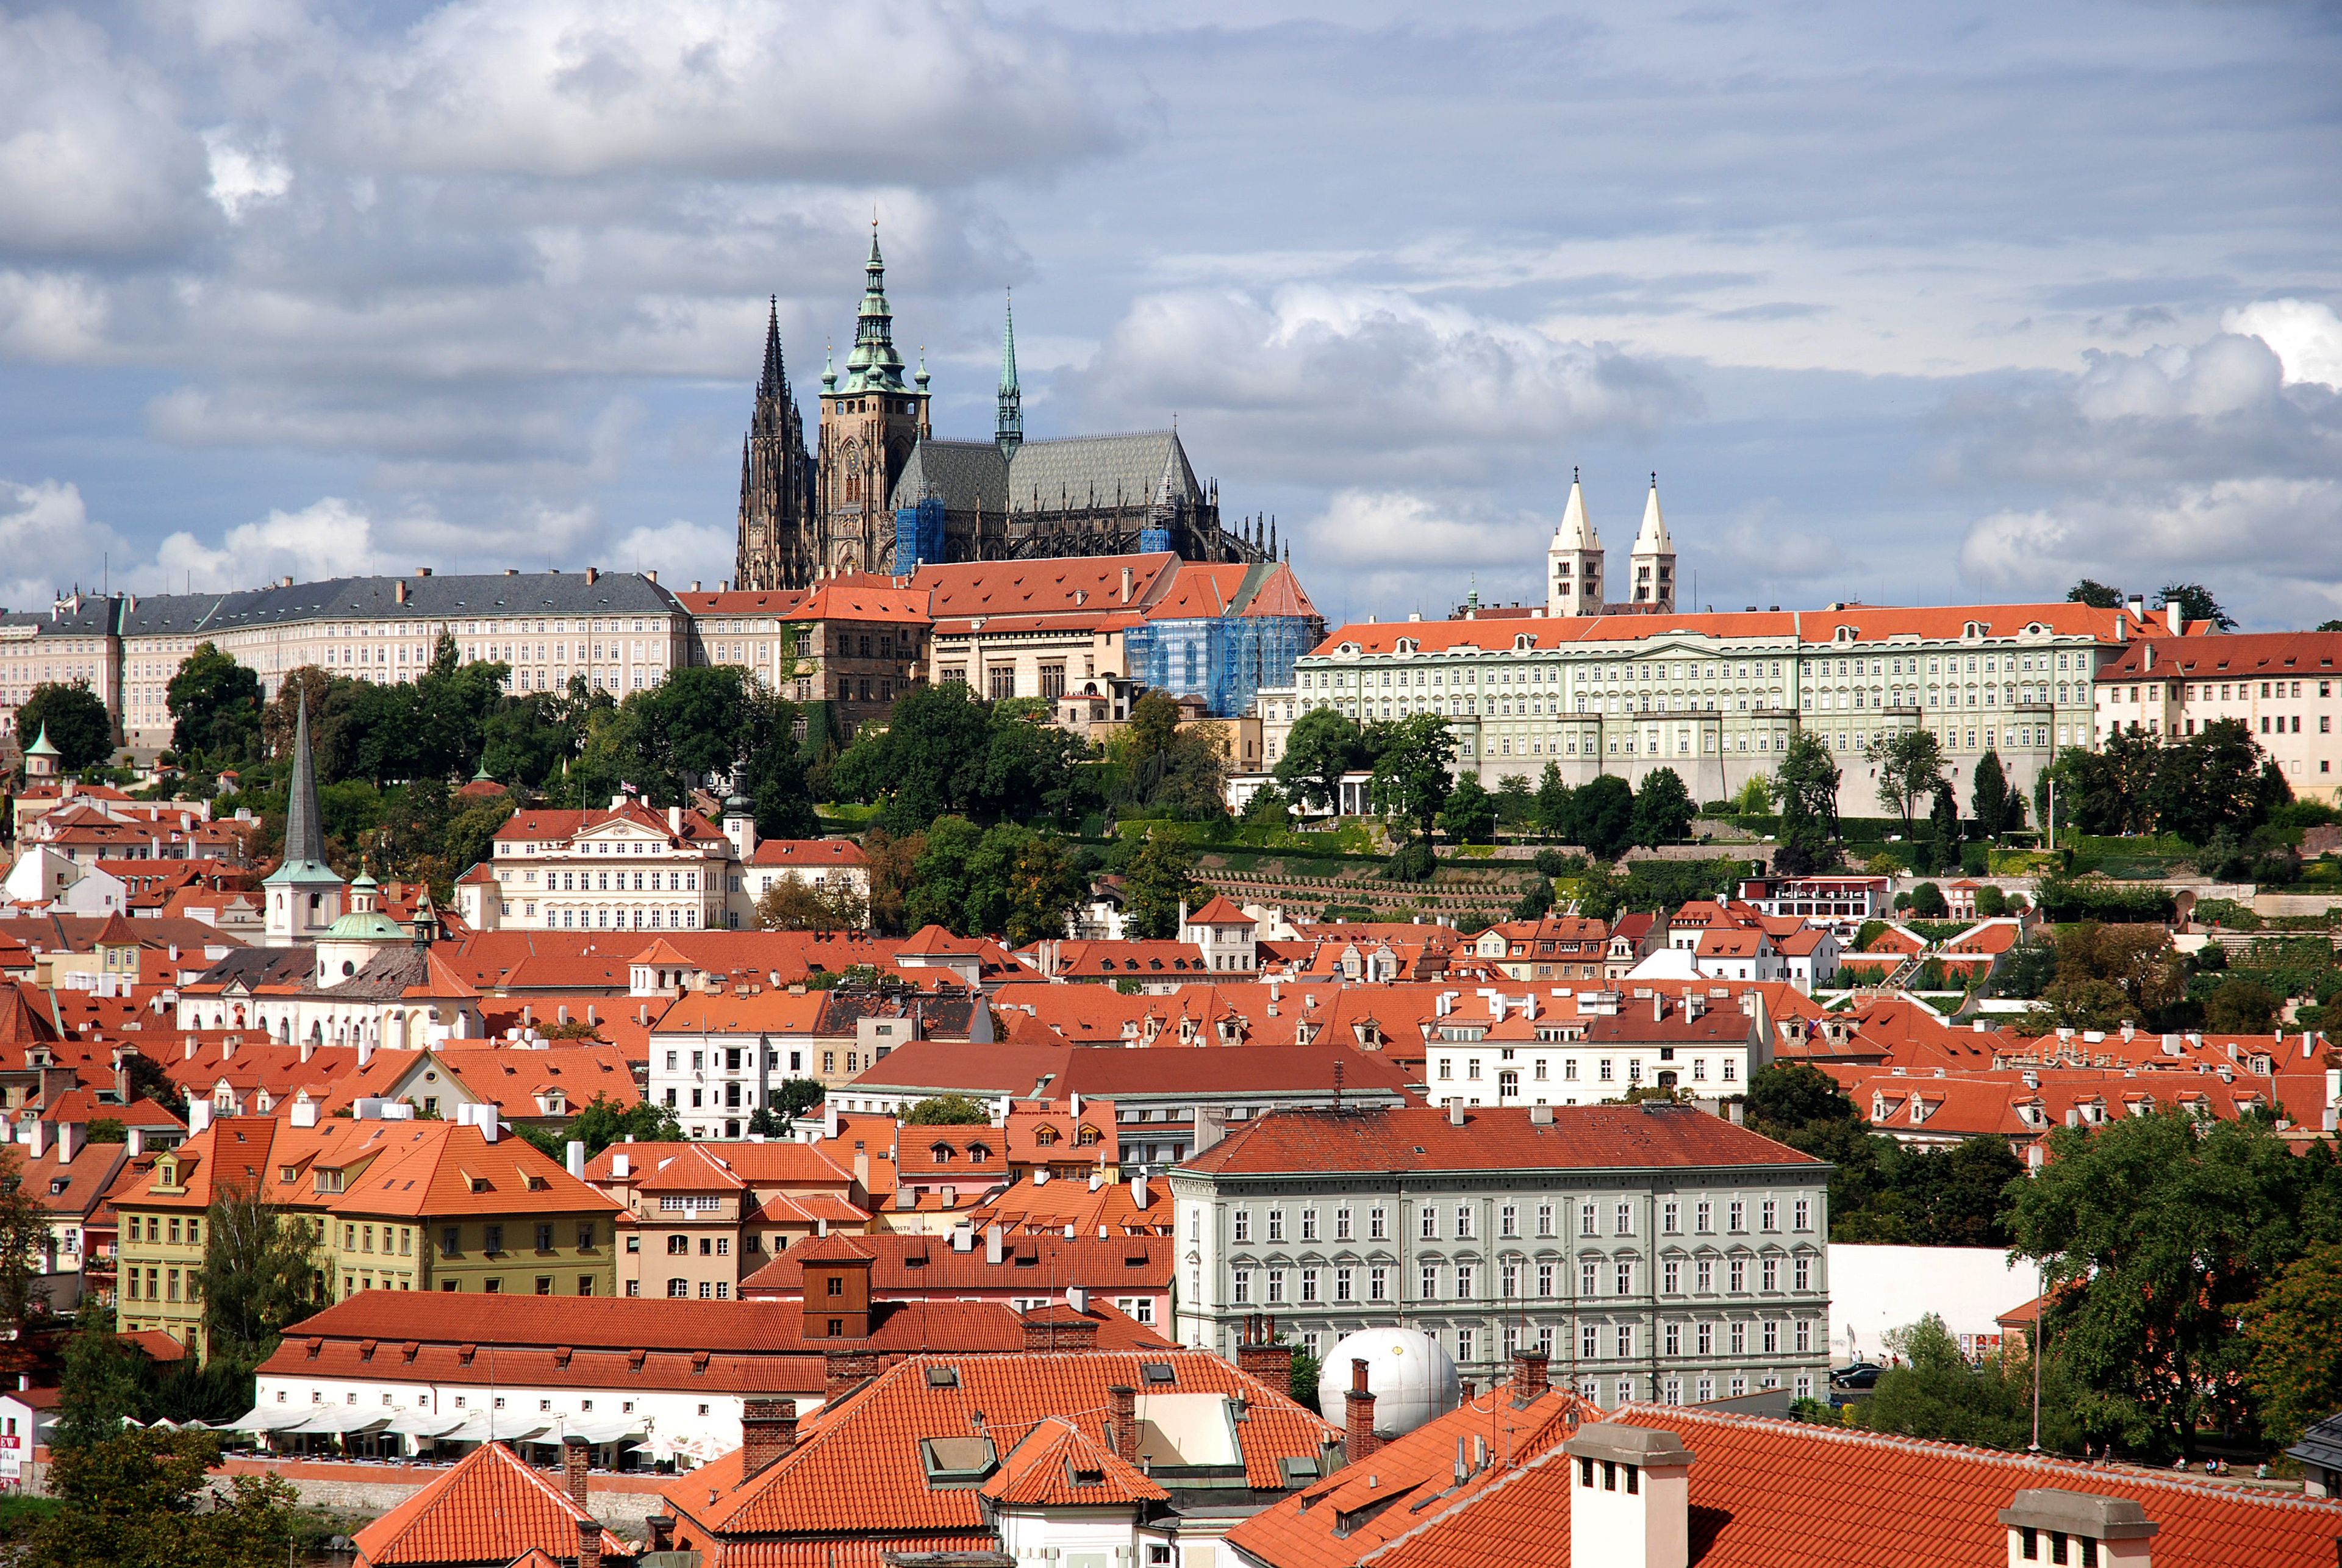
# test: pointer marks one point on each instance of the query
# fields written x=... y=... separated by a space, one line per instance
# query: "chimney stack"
x=589 y=1543
x=1358 y=1415
x=1124 y=1400
x=994 y=1236
x=69 y=1141
x=1630 y=1496
x=768 y=1429
x=2118 y=1525
x=575 y=1454
x=1530 y=1379
x=1259 y=1356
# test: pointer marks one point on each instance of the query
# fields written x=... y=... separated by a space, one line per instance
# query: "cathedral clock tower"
x=870 y=420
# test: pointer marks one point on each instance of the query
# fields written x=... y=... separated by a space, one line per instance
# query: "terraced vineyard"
x=1303 y=885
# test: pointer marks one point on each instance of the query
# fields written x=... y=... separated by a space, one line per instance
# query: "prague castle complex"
x=879 y=492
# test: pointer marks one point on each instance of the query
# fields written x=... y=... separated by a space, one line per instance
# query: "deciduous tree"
x=73 y=719
x=1663 y=809
x=1321 y=746
x=215 y=704
x=2294 y=1331
x=2097 y=594
x=1910 y=765
x=147 y=1500
x=1470 y=815
x=1160 y=877
x=259 y=1272
x=1413 y=774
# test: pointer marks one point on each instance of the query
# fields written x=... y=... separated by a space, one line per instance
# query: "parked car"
x=1861 y=1374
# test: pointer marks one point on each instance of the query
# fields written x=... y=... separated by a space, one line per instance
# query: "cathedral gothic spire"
x=1008 y=427
x=776 y=492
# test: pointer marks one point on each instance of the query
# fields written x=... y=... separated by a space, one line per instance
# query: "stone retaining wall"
x=620 y=1502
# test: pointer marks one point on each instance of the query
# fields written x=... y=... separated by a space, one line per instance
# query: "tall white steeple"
x=1652 y=561
x=1573 y=562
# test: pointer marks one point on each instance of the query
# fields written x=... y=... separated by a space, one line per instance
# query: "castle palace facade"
x=881 y=494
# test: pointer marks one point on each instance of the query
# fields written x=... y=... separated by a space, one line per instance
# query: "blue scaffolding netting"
x=1224 y=659
x=918 y=534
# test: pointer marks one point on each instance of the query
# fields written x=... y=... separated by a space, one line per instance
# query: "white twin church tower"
x=1574 y=582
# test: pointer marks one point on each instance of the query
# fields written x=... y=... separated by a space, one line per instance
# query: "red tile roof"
x=906 y=1265
x=1059 y=1465
x=490 y=1508
x=791 y=852
x=1613 y=1137
x=2228 y=655
x=1869 y=622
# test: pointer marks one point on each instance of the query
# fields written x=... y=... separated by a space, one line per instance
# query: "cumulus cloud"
x=2305 y=337
x=52 y=318
x=737 y=88
x=680 y=551
x=93 y=160
x=330 y=538
x=1330 y=380
x=2205 y=462
x=244 y=170
x=49 y=543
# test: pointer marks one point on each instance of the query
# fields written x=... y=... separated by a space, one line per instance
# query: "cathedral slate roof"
x=1074 y=472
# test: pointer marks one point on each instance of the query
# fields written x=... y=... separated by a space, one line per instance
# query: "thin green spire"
x=1008 y=428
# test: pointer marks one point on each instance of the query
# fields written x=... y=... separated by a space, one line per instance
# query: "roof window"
x=943 y=1377
x=957 y=1460
x=1157 y=1372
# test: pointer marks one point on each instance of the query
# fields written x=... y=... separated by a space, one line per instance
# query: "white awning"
x=505 y=1427
x=425 y=1423
x=333 y=1419
x=266 y=1418
x=601 y=1428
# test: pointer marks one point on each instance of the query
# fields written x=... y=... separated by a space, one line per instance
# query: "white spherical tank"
x=1411 y=1378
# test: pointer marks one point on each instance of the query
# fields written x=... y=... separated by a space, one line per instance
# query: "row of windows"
x=1508 y=1081
x=1314 y=1284
x=1768 y=1212
x=492 y=1238
x=1647 y=673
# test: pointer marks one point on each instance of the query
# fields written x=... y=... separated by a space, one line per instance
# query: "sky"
x=1911 y=304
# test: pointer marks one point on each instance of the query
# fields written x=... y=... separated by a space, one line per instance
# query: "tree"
x=147 y=1500
x=1321 y=746
x=1553 y=811
x=2330 y=625
x=2109 y=975
x=1991 y=903
x=1413 y=774
x=2196 y=603
x=2154 y=1234
x=100 y=1381
x=1161 y=876
x=947 y=1111
x=1024 y=884
x=1807 y=782
x=1989 y=802
x=792 y=904
x=605 y=1122
x=1910 y=765
x=1516 y=801
x=2240 y=1007
x=24 y=1230
x=893 y=863
x=258 y=1275
x=2094 y=594
x=942 y=889
x=1944 y=829
x=2208 y=782
x=1470 y=816
x=1927 y=903
x=928 y=762
x=2296 y=1355
x=215 y=704
x=73 y=719
x=1663 y=809
x=1604 y=810
x=1937 y=1395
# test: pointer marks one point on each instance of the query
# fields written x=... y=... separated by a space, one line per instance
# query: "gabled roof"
x=489 y=1508
x=1406 y=1139
x=1059 y=1465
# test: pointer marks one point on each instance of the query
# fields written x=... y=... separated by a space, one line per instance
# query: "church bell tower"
x=870 y=420
x=1573 y=562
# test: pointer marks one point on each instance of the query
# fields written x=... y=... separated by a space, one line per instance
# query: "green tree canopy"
x=1937 y=1393
x=99 y=1384
x=2196 y=603
x=2291 y=1335
x=1413 y=771
x=73 y=719
x=947 y=1111
x=1927 y=903
x=1160 y=877
x=1321 y=746
x=792 y=904
x=2156 y=1233
x=2094 y=594
x=215 y=704
x=1989 y=800
x=1910 y=765
x=258 y=1274
x=605 y=1122
x=1805 y=783
x=147 y=1500
x=1663 y=809
x=1604 y=812
x=1470 y=815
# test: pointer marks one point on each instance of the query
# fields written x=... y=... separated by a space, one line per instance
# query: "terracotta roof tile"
x=490 y=1508
x=1411 y=1139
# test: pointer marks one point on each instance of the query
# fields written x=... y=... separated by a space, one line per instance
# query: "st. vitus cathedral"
x=883 y=494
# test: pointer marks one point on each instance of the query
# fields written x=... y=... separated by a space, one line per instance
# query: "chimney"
x=399 y=591
x=993 y=1237
x=768 y=1429
x=576 y=1161
x=1259 y=1356
x=1358 y=1415
x=36 y=1138
x=1529 y=1375
x=589 y=1543
x=419 y=571
x=1455 y=1112
x=1124 y=1400
x=304 y=1113
x=70 y=1137
x=199 y=1116
x=620 y=1166
x=1631 y=1497
x=593 y=575
x=1046 y=1332
x=1125 y=585
x=2119 y=1526
x=1540 y=1115
x=365 y=1053
x=577 y=1454
x=1138 y=1189
x=843 y=1369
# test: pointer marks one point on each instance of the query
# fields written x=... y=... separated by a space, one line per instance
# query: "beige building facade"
x=2285 y=688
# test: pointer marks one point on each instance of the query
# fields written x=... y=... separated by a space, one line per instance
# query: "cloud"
x=2305 y=336
x=1329 y=381
x=330 y=538
x=52 y=317
x=244 y=172
x=681 y=552
x=740 y=89
x=93 y=159
x=50 y=544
